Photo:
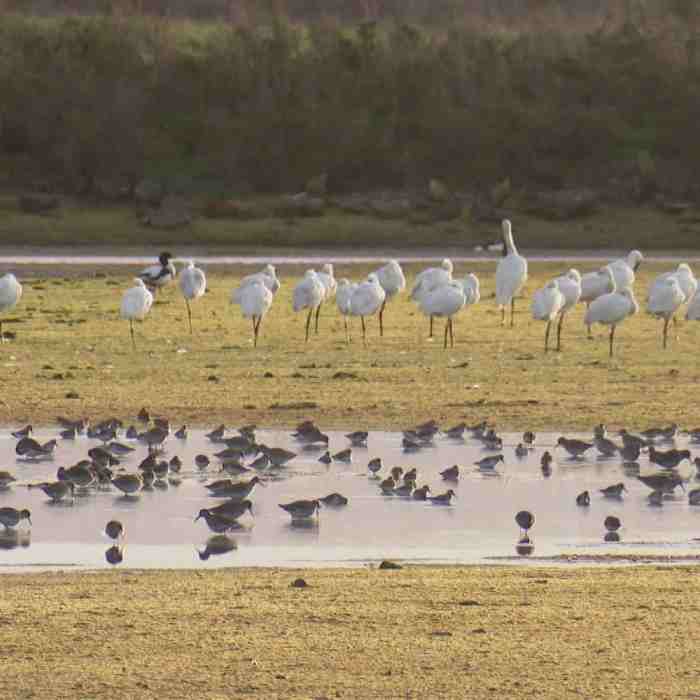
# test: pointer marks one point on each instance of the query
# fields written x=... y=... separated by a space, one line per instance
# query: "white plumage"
x=612 y=308
x=136 y=303
x=393 y=282
x=472 y=294
x=156 y=276
x=308 y=294
x=511 y=275
x=686 y=281
x=693 y=311
x=367 y=299
x=327 y=280
x=570 y=287
x=444 y=301
x=255 y=302
x=546 y=305
x=665 y=298
x=268 y=277
x=193 y=284
x=343 y=295
x=429 y=279
x=595 y=284
x=10 y=294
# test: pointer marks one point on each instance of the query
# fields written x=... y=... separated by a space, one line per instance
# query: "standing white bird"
x=444 y=302
x=366 y=300
x=511 y=275
x=665 y=298
x=623 y=269
x=329 y=286
x=393 y=282
x=255 y=302
x=686 y=281
x=693 y=311
x=268 y=277
x=472 y=294
x=157 y=276
x=343 y=295
x=430 y=278
x=547 y=304
x=193 y=284
x=10 y=294
x=308 y=294
x=136 y=303
x=570 y=287
x=612 y=308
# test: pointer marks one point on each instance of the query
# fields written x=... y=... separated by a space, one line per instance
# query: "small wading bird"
x=546 y=305
x=193 y=284
x=612 y=308
x=393 y=282
x=157 y=276
x=10 y=294
x=308 y=294
x=511 y=275
x=136 y=303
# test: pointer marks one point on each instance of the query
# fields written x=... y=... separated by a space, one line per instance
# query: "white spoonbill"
x=472 y=294
x=665 y=298
x=444 y=301
x=255 y=302
x=308 y=294
x=193 y=284
x=623 y=269
x=393 y=282
x=329 y=286
x=547 y=304
x=268 y=277
x=686 y=281
x=10 y=294
x=693 y=311
x=136 y=303
x=430 y=278
x=594 y=285
x=366 y=300
x=570 y=287
x=343 y=294
x=612 y=308
x=511 y=275
x=157 y=276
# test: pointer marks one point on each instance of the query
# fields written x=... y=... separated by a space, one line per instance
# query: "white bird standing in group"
x=308 y=294
x=136 y=303
x=511 y=275
x=268 y=277
x=570 y=287
x=157 y=276
x=429 y=279
x=393 y=282
x=328 y=282
x=193 y=284
x=366 y=300
x=665 y=298
x=444 y=301
x=547 y=304
x=255 y=300
x=686 y=281
x=612 y=308
x=10 y=294
x=343 y=294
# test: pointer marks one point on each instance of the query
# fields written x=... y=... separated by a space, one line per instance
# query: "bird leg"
x=590 y=335
x=364 y=338
x=2 y=337
x=666 y=320
x=559 y=325
x=308 y=323
x=381 y=321
x=255 y=333
x=447 y=328
x=189 y=314
x=546 y=336
x=452 y=334
x=318 y=311
x=131 y=330
x=347 y=332
x=430 y=335
x=503 y=316
x=512 y=312
x=612 y=336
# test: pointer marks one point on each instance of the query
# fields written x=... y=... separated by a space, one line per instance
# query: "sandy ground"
x=485 y=632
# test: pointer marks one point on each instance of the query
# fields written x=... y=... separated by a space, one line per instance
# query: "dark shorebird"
x=612 y=524
x=410 y=475
x=387 y=486
x=443 y=499
x=11 y=517
x=301 y=510
x=217 y=435
x=421 y=494
x=668 y=460
x=456 y=432
x=217 y=545
x=664 y=482
x=202 y=461
x=6 y=479
x=114 y=555
x=575 y=448
x=358 y=438
x=630 y=452
x=114 y=529
x=218 y=522
x=68 y=434
x=606 y=447
x=175 y=464
x=238 y=491
x=278 y=457
x=630 y=439
x=656 y=498
x=613 y=491
x=311 y=436
x=488 y=463
x=335 y=500
x=521 y=451
x=409 y=445
x=128 y=484
x=233 y=509
x=396 y=473
x=375 y=465
x=80 y=425
x=694 y=497
x=118 y=448
x=132 y=433
x=583 y=499
x=405 y=490
x=451 y=474
x=29 y=448
x=667 y=433
x=102 y=457
x=143 y=416
x=600 y=431
x=79 y=475
x=56 y=490
x=23 y=432
x=325 y=458
x=529 y=438
x=260 y=463
x=525 y=520
x=343 y=456
x=181 y=434
x=154 y=438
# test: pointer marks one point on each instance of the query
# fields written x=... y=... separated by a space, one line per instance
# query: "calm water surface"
x=477 y=528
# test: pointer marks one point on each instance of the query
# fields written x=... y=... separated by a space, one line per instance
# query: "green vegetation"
x=72 y=356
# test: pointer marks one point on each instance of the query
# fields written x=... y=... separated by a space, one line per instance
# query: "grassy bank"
x=72 y=356
x=428 y=633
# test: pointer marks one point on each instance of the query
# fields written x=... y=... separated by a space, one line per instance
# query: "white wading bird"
x=570 y=287
x=686 y=281
x=612 y=308
x=393 y=282
x=547 y=304
x=136 y=303
x=444 y=302
x=665 y=298
x=308 y=294
x=255 y=302
x=511 y=275
x=268 y=277
x=10 y=294
x=430 y=278
x=329 y=286
x=343 y=294
x=193 y=284
x=366 y=300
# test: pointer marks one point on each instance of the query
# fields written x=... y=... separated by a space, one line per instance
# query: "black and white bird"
x=157 y=276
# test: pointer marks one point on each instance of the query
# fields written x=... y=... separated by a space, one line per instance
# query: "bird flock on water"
x=608 y=294
x=242 y=462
